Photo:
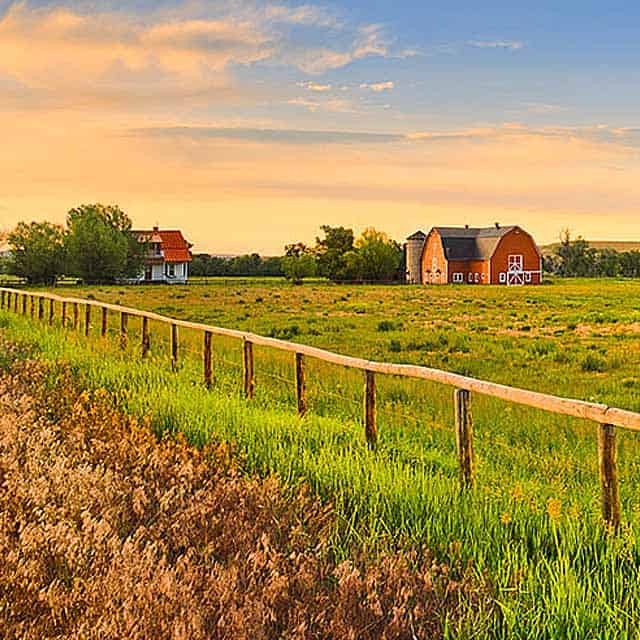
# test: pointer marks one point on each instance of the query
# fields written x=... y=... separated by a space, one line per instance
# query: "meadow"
x=531 y=527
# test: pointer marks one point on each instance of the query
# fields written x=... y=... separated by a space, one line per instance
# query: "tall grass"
x=531 y=524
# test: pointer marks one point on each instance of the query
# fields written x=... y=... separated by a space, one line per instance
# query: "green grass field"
x=531 y=526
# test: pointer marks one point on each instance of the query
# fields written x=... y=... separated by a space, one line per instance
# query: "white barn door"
x=515 y=272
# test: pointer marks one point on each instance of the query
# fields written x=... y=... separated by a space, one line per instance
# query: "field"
x=531 y=527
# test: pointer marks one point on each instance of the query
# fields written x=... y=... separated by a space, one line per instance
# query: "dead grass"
x=107 y=533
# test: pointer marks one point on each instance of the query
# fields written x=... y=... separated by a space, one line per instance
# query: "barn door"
x=515 y=272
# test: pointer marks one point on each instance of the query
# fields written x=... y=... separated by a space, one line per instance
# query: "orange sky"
x=113 y=111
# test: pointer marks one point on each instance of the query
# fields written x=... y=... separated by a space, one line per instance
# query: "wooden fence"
x=608 y=418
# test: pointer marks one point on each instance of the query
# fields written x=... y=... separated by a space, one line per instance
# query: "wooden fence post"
x=464 y=436
x=87 y=319
x=124 y=337
x=247 y=369
x=75 y=316
x=607 y=458
x=24 y=304
x=15 y=302
x=174 y=347
x=40 y=308
x=301 y=391
x=63 y=316
x=370 y=429
x=51 y=312
x=2 y=298
x=206 y=356
x=146 y=340
x=103 y=324
x=32 y=307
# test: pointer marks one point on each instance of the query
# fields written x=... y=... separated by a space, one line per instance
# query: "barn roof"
x=471 y=243
x=418 y=235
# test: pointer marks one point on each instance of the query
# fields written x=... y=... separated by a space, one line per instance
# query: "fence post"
x=247 y=369
x=370 y=429
x=24 y=304
x=146 y=341
x=15 y=302
x=63 y=317
x=174 y=347
x=87 y=319
x=607 y=458
x=2 y=297
x=206 y=355
x=103 y=324
x=51 y=312
x=40 y=308
x=464 y=436
x=301 y=391
x=75 y=316
x=124 y=317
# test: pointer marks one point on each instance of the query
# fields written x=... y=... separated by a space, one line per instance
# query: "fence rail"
x=607 y=417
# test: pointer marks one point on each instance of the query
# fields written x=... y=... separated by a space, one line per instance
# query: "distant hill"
x=616 y=245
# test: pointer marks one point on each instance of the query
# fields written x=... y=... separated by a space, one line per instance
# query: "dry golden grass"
x=107 y=533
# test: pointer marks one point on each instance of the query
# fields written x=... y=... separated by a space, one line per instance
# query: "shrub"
x=395 y=346
x=594 y=363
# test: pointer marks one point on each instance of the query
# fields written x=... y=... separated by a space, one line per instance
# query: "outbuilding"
x=487 y=255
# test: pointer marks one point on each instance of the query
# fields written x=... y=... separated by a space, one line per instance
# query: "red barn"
x=490 y=255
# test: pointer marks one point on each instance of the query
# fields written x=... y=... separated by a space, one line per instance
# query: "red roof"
x=174 y=247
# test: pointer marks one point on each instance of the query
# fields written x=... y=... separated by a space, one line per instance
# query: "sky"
x=248 y=123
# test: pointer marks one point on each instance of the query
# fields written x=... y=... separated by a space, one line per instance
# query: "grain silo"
x=413 y=249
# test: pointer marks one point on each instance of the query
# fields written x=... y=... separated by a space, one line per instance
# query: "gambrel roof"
x=468 y=243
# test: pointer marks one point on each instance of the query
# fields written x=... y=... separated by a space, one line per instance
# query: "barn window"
x=503 y=278
x=516 y=262
x=482 y=277
x=477 y=277
x=470 y=277
x=527 y=276
x=458 y=277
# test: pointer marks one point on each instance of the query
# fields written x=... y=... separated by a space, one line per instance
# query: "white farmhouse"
x=168 y=256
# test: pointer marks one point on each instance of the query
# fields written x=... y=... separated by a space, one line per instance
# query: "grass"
x=531 y=525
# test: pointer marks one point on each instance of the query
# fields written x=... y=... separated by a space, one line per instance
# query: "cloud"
x=188 y=50
x=378 y=87
x=333 y=105
x=286 y=136
x=314 y=86
x=512 y=45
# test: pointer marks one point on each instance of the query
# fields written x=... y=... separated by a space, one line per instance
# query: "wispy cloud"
x=287 y=136
x=378 y=87
x=333 y=105
x=315 y=86
x=512 y=45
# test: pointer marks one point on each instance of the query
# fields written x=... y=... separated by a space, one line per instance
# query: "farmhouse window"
x=171 y=270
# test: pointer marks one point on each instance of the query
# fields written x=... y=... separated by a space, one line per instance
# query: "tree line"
x=338 y=256
x=575 y=258
x=96 y=245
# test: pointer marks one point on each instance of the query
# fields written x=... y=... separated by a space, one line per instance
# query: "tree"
x=296 y=268
x=37 y=252
x=331 y=250
x=379 y=257
x=100 y=245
